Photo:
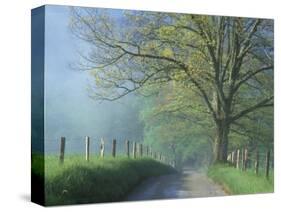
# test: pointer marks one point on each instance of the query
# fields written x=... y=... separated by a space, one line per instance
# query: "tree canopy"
x=211 y=71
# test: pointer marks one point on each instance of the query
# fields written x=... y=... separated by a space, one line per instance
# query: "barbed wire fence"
x=258 y=160
x=100 y=147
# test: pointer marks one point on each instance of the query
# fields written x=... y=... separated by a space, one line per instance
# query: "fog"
x=69 y=111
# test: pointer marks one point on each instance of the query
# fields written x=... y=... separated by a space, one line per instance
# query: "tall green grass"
x=99 y=180
x=237 y=182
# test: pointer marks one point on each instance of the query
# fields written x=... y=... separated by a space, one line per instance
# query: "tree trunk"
x=221 y=142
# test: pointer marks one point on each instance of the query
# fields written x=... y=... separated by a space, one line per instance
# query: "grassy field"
x=237 y=182
x=100 y=180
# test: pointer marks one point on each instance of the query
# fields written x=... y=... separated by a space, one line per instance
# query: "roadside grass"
x=237 y=182
x=99 y=180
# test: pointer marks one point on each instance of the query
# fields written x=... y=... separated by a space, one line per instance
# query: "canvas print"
x=132 y=105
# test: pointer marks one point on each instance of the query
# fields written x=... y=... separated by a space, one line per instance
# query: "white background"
x=15 y=104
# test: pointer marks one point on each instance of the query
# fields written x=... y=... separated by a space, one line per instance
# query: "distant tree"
x=226 y=61
x=180 y=135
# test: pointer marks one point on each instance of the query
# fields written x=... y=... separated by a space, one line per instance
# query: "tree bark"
x=221 y=141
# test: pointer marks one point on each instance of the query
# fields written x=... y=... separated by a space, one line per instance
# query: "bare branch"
x=264 y=103
x=249 y=75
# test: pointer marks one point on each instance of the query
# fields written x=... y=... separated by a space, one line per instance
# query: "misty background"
x=69 y=111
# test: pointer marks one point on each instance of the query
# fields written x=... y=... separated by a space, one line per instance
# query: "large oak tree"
x=226 y=61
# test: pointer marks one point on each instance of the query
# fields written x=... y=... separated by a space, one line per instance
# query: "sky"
x=69 y=111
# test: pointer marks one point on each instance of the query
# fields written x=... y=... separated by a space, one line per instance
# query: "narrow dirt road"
x=188 y=184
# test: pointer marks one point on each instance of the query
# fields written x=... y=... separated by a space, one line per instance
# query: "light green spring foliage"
x=198 y=71
x=171 y=120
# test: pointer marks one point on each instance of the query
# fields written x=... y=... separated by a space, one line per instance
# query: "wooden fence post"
x=62 y=148
x=257 y=162
x=272 y=162
x=245 y=159
x=127 y=143
x=229 y=157
x=242 y=159
x=155 y=155
x=267 y=160
x=233 y=158
x=87 y=141
x=102 y=147
x=134 y=149
x=237 y=159
x=140 y=150
x=113 y=147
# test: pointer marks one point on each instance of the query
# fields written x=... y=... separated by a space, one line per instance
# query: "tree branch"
x=261 y=104
x=249 y=75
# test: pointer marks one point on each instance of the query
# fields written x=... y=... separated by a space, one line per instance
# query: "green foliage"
x=100 y=180
x=255 y=131
x=238 y=182
x=174 y=126
x=206 y=73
